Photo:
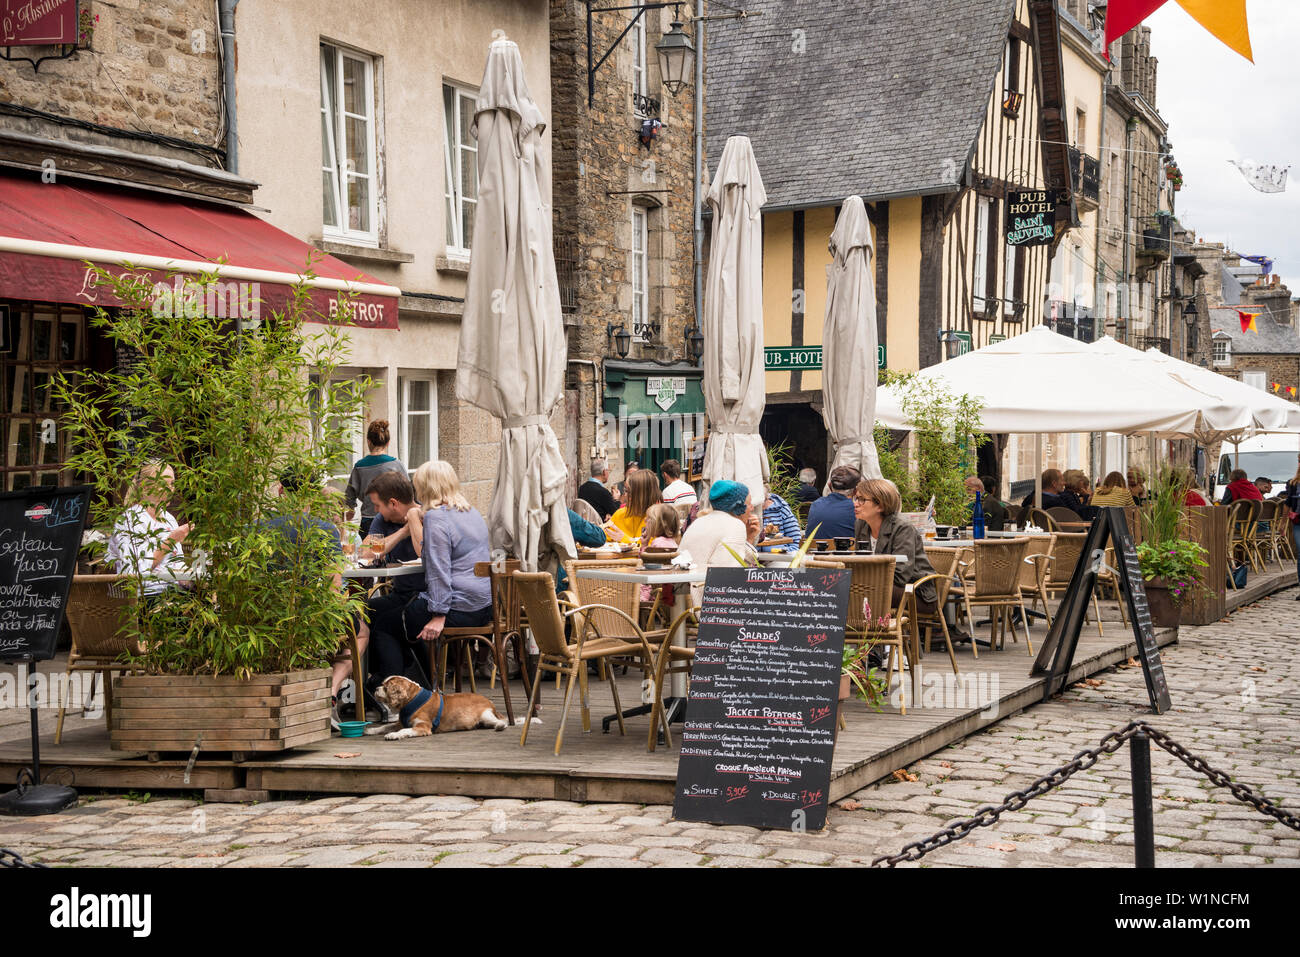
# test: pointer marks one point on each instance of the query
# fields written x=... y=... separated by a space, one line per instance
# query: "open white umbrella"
x=849 y=353
x=512 y=346
x=734 y=387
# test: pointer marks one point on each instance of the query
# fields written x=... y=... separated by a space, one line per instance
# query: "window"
x=1256 y=380
x=461 y=166
x=980 y=277
x=641 y=325
x=347 y=116
x=1081 y=292
x=636 y=36
x=1081 y=128
x=340 y=468
x=1010 y=278
x=1011 y=65
x=418 y=439
x=1221 y=355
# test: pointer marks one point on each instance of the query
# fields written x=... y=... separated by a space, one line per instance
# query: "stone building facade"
x=145 y=67
x=623 y=215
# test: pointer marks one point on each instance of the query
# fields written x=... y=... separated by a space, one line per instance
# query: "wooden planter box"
x=264 y=713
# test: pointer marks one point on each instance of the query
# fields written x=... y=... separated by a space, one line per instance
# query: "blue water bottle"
x=977 y=518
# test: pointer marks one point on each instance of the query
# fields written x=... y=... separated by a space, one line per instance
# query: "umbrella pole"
x=1038 y=469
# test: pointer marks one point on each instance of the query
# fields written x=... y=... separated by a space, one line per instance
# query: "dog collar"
x=414 y=705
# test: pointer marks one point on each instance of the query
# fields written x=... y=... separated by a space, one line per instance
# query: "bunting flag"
x=1290 y=390
x=1225 y=19
x=1264 y=177
x=1247 y=320
x=1276 y=386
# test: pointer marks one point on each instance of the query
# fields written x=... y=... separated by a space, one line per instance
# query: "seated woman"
x=719 y=538
x=1075 y=496
x=1113 y=493
x=1193 y=494
x=876 y=503
x=629 y=521
x=146 y=540
x=453 y=538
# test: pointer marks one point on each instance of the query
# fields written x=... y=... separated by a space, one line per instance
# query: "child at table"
x=662 y=531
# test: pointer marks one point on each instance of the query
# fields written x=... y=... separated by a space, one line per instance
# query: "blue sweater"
x=453 y=542
x=834 y=514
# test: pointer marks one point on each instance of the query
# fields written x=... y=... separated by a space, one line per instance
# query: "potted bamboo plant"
x=1171 y=564
x=236 y=652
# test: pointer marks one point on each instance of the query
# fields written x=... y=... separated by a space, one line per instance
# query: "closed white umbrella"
x=849 y=353
x=734 y=388
x=512 y=345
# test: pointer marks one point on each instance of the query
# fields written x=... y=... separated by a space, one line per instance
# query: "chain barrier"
x=9 y=859
x=1081 y=762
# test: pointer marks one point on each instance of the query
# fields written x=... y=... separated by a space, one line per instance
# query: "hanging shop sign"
x=37 y=22
x=1031 y=217
x=793 y=358
x=665 y=389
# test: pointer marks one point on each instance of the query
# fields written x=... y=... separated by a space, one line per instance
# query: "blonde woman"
x=450 y=536
x=146 y=539
x=1113 y=492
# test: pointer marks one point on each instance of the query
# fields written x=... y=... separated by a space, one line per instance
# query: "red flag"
x=1247 y=321
x=1123 y=15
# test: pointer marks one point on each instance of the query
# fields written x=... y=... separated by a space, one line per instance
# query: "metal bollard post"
x=1144 y=849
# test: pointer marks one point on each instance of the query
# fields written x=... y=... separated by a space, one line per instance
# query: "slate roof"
x=1272 y=338
x=886 y=98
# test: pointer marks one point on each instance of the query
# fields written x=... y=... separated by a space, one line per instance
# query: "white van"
x=1272 y=455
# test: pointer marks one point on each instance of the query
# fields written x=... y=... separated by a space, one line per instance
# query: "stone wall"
x=150 y=67
x=600 y=172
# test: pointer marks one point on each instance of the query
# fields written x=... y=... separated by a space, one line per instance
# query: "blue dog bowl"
x=352 y=729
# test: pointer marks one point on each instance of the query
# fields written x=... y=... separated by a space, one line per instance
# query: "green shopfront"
x=650 y=410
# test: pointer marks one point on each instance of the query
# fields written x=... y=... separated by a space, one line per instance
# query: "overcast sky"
x=1221 y=107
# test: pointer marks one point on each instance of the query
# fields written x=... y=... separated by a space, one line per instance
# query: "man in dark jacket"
x=831 y=516
x=594 y=492
x=1053 y=486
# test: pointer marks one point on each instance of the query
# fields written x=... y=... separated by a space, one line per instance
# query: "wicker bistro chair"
x=1060 y=513
x=1243 y=515
x=97 y=607
x=504 y=627
x=872 y=582
x=944 y=562
x=556 y=654
x=992 y=579
x=624 y=598
x=1034 y=571
x=1041 y=519
x=1067 y=550
x=1013 y=515
x=1283 y=544
x=1261 y=539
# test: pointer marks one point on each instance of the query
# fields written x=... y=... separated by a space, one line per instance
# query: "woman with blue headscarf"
x=718 y=538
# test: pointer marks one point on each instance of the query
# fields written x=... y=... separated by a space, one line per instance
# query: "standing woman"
x=642 y=492
x=1293 y=514
x=365 y=470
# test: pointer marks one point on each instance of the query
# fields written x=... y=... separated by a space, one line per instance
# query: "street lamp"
x=676 y=54
x=694 y=345
x=620 y=338
x=676 y=58
x=951 y=343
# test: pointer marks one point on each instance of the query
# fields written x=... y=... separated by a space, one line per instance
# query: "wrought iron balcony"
x=1152 y=342
x=1156 y=240
x=1085 y=176
x=1079 y=326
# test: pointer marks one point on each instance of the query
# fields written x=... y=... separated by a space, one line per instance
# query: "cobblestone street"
x=1236 y=695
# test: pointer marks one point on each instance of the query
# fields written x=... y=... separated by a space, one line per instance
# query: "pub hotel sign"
x=1031 y=217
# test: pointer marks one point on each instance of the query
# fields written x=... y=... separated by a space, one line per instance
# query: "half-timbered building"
x=934 y=113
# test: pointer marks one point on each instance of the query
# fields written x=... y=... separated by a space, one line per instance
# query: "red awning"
x=48 y=231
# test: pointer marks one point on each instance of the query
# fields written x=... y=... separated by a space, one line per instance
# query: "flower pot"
x=1164 y=611
x=263 y=713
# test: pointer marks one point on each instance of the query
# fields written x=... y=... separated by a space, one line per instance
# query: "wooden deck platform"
x=590 y=767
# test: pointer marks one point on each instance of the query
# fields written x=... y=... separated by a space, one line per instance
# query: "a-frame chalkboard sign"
x=40 y=535
x=1057 y=653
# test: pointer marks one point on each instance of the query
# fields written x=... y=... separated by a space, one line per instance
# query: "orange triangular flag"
x=1291 y=389
x=1247 y=321
x=1225 y=19
x=1276 y=386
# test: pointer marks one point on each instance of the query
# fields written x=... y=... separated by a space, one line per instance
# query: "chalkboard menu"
x=760 y=727
x=40 y=535
x=1057 y=652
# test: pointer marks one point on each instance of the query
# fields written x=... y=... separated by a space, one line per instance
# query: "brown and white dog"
x=436 y=713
